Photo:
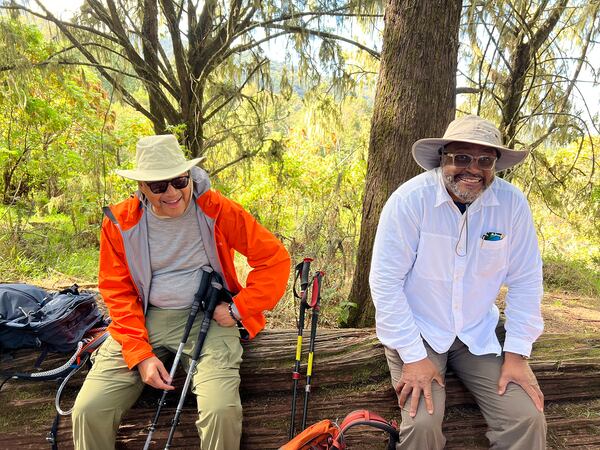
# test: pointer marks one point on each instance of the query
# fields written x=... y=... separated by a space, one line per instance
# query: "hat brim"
x=157 y=175
x=426 y=153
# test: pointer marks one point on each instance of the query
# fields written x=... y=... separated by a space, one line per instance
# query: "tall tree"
x=525 y=60
x=415 y=98
x=199 y=62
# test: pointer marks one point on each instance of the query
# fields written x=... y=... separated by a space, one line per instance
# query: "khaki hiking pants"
x=110 y=388
x=513 y=421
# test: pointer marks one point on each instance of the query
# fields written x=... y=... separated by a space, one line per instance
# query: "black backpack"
x=65 y=322
x=32 y=318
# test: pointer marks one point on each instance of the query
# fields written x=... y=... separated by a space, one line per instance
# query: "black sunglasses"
x=159 y=187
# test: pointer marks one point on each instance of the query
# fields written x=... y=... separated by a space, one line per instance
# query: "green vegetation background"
x=62 y=133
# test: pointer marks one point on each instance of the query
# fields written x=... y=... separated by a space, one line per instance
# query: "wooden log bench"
x=350 y=372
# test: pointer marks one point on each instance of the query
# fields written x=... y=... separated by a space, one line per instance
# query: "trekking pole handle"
x=207 y=274
x=213 y=301
x=304 y=278
x=315 y=299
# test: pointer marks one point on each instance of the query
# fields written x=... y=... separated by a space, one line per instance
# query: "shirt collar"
x=488 y=198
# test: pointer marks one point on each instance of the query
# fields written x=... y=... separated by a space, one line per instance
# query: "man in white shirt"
x=447 y=240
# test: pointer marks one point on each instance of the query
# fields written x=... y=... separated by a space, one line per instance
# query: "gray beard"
x=465 y=196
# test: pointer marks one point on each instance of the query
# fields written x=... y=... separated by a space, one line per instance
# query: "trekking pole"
x=198 y=297
x=315 y=304
x=302 y=271
x=209 y=309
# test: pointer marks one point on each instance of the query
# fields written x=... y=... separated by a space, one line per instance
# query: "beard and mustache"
x=452 y=183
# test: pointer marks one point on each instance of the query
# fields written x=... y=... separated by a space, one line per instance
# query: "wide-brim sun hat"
x=471 y=130
x=158 y=158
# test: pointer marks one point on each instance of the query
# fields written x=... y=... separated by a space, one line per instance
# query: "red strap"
x=361 y=415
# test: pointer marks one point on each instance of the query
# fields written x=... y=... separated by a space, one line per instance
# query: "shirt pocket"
x=491 y=256
x=435 y=257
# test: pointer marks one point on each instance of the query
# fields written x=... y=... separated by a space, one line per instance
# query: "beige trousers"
x=110 y=388
x=513 y=421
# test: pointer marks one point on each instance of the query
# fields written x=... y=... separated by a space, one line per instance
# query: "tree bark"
x=350 y=372
x=415 y=98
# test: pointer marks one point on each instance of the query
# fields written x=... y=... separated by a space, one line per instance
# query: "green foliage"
x=34 y=247
x=562 y=187
x=572 y=275
x=58 y=146
x=306 y=185
x=301 y=173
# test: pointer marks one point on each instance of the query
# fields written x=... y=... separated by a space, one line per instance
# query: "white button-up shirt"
x=434 y=276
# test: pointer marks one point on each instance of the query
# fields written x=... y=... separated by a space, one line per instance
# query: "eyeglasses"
x=159 y=187
x=463 y=160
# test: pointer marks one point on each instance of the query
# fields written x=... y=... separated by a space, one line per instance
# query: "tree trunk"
x=523 y=57
x=415 y=98
x=194 y=122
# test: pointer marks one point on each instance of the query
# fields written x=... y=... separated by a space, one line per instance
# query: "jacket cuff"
x=517 y=345
x=134 y=360
x=239 y=306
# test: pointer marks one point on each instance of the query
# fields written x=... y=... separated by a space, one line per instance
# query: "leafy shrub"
x=573 y=276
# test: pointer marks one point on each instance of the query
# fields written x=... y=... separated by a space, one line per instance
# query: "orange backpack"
x=327 y=435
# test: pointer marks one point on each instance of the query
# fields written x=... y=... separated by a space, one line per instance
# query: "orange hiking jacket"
x=125 y=274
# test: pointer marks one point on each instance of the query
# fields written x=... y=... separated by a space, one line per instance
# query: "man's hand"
x=416 y=378
x=153 y=372
x=222 y=316
x=516 y=370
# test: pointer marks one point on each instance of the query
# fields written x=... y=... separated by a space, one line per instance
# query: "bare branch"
x=244 y=155
x=468 y=90
x=207 y=117
x=172 y=18
x=74 y=63
x=324 y=34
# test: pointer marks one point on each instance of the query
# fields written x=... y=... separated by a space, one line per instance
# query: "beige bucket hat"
x=158 y=158
x=470 y=129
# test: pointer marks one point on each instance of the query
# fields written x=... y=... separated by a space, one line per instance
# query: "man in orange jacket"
x=152 y=249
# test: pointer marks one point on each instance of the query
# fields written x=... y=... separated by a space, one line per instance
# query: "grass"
x=47 y=248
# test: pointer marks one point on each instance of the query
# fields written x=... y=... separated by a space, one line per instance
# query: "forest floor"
x=568 y=313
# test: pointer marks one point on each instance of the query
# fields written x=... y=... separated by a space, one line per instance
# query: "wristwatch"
x=233 y=312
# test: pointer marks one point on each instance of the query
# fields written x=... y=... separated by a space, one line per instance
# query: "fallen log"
x=350 y=372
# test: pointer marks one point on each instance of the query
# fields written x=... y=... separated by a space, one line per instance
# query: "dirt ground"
x=567 y=313
x=564 y=313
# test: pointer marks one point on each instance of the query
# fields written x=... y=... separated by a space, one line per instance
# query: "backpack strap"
x=73 y=290
x=40 y=359
x=93 y=339
x=51 y=374
x=82 y=357
x=365 y=417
